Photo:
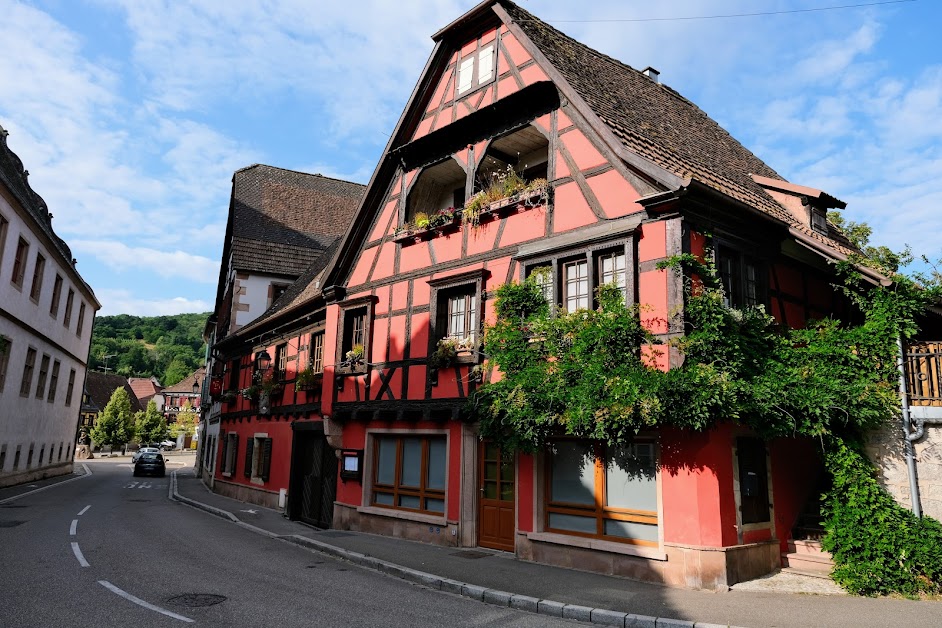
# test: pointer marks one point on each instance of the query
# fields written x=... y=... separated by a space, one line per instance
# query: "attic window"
x=819 y=221
x=525 y=151
x=476 y=70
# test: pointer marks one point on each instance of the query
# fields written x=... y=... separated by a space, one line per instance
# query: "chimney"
x=651 y=73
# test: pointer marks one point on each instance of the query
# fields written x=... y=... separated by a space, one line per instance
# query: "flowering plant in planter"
x=228 y=397
x=307 y=379
x=251 y=393
x=504 y=184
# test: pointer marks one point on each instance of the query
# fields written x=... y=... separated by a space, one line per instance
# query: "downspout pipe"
x=910 y=437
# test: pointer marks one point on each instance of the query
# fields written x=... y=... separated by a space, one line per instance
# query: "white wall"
x=27 y=420
x=254 y=293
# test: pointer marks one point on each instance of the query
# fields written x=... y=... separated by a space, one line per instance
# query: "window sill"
x=403 y=514
x=409 y=235
x=613 y=547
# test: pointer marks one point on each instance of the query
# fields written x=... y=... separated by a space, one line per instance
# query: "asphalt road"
x=113 y=550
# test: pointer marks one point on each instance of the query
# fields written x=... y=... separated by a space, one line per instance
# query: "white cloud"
x=124 y=302
x=122 y=258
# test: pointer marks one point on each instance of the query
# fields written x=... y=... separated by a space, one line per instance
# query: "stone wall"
x=885 y=448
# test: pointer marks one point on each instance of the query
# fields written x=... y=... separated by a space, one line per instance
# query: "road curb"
x=496 y=597
x=219 y=512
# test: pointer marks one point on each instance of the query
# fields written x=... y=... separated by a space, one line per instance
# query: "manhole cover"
x=471 y=554
x=197 y=600
x=11 y=524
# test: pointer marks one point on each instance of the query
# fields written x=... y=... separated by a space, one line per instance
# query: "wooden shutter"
x=225 y=449
x=231 y=466
x=266 y=459
x=249 y=448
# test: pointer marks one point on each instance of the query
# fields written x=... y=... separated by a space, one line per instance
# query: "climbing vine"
x=593 y=374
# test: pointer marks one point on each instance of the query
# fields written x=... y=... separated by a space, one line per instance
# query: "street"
x=112 y=550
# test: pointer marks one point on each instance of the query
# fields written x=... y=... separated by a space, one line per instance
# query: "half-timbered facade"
x=522 y=151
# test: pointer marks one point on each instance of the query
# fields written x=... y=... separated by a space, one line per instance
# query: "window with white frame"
x=476 y=70
x=409 y=473
x=603 y=492
x=572 y=281
x=741 y=276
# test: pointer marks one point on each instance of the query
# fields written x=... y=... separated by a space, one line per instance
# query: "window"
x=753 y=480
x=43 y=374
x=601 y=492
x=461 y=314
x=258 y=458
x=230 y=446
x=38 y=269
x=576 y=285
x=67 y=320
x=56 y=295
x=355 y=336
x=741 y=278
x=409 y=473
x=71 y=388
x=234 y=366
x=275 y=291
x=611 y=268
x=53 y=382
x=317 y=352
x=5 y=347
x=19 y=263
x=28 y=372
x=281 y=361
x=80 y=323
x=476 y=70
x=524 y=151
x=59 y=458
x=4 y=226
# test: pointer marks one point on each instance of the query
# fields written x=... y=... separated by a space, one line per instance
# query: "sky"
x=132 y=115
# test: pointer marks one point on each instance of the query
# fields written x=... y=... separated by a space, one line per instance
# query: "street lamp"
x=196 y=387
x=262 y=361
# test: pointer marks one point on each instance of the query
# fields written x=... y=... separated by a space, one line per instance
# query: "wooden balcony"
x=924 y=373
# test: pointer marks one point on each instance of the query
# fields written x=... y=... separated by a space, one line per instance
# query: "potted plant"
x=251 y=393
x=307 y=379
x=421 y=220
x=228 y=396
x=445 y=353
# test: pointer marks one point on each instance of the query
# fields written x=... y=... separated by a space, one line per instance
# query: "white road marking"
x=72 y=527
x=141 y=602
x=78 y=555
x=83 y=511
x=144 y=485
x=251 y=512
x=131 y=485
x=88 y=472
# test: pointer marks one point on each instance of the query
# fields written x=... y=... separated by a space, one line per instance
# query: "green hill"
x=166 y=347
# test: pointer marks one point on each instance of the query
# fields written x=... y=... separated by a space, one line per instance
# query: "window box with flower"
x=354 y=361
x=425 y=225
x=507 y=191
x=308 y=380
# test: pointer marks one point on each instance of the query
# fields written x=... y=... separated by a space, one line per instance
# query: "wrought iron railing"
x=924 y=373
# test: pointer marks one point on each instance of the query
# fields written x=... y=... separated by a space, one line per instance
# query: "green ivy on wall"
x=591 y=374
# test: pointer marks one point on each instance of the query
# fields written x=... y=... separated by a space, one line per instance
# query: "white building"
x=46 y=316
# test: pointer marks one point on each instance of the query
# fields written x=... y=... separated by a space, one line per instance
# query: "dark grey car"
x=150 y=464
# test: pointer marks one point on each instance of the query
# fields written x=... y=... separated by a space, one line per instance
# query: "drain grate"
x=11 y=524
x=471 y=554
x=197 y=600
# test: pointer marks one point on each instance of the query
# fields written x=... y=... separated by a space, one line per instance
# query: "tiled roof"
x=100 y=387
x=282 y=219
x=186 y=385
x=657 y=123
x=144 y=387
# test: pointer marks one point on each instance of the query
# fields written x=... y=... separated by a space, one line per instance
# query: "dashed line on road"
x=72 y=527
x=79 y=555
x=141 y=602
x=83 y=510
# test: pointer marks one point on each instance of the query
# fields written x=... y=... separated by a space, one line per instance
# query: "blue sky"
x=131 y=115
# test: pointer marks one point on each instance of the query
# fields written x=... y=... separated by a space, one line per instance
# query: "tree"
x=186 y=422
x=881 y=257
x=150 y=424
x=115 y=425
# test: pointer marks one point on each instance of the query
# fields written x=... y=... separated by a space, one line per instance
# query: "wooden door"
x=497 y=514
x=314 y=480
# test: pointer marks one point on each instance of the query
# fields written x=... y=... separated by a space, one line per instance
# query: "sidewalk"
x=502 y=579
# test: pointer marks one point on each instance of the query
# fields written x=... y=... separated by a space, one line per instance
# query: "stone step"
x=808 y=563
x=806 y=546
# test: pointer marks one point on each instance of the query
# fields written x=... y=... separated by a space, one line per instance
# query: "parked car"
x=150 y=463
x=167 y=445
x=144 y=450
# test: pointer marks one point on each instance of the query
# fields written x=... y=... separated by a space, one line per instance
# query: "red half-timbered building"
x=616 y=172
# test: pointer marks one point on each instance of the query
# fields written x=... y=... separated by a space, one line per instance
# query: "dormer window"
x=819 y=220
x=476 y=70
